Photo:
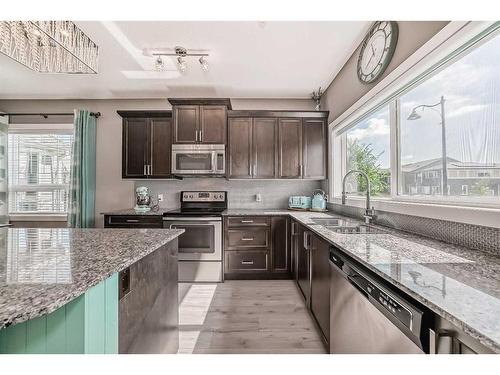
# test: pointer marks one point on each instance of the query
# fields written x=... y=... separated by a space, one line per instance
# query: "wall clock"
x=377 y=50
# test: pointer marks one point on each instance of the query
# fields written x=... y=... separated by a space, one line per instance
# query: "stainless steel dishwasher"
x=366 y=316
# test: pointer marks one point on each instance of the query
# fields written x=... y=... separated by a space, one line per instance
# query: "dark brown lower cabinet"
x=281 y=246
x=256 y=247
x=303 y=263
x=320 y=284
x=133 y=221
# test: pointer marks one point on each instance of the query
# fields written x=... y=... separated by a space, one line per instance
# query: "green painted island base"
x=88 y=324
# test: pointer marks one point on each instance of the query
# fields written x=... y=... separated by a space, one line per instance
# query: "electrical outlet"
x=160 y=197
x=258 y=197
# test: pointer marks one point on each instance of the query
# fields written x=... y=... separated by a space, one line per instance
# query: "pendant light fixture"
x=49 y=46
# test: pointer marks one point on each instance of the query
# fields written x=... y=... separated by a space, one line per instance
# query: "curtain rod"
x=45 y=115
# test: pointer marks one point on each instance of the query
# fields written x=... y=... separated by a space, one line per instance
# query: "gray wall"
x=112 y=192
x=241 y=193
x=346 y=89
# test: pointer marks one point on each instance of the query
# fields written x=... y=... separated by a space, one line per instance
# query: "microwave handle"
x=214 y=162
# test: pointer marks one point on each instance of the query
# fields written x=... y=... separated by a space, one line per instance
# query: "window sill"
x=462 y=214
x=38 y=217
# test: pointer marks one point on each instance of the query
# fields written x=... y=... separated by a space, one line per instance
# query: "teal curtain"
x=81 y=210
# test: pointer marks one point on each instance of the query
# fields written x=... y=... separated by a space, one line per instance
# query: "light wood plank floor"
x=244 y=317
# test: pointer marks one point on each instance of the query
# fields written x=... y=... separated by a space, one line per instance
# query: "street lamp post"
x=415 y=116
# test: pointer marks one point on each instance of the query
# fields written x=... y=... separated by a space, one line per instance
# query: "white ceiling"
x=247 y=60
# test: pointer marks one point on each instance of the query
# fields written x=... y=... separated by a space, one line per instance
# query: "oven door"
x=202 y=239
x=198 y=160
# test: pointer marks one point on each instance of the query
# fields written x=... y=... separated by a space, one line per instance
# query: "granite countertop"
x=43 y=269
x=457 y=283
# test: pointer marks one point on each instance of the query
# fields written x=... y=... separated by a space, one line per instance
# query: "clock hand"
x=370 y=59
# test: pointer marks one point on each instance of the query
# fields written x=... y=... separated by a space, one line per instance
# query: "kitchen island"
x=69 y=290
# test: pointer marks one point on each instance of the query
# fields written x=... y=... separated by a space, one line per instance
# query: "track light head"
x=181 y=62
x=204 y=64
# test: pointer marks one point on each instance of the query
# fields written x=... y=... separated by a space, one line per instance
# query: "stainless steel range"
x=200 y=246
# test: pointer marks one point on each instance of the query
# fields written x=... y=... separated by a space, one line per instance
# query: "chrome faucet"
x=369 y=212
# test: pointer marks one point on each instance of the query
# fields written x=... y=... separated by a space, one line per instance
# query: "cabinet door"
x=294 y=234
x=135 y=146
x=320 y=284
x=213 y=124
x=280 y=245
x=265 y=142
x=186 y=120
x=290 y=148
x=161 y=147
x=314 y=149
x=303 y=263
x=240 y=148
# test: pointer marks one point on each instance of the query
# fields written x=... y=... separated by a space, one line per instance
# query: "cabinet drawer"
x=132 y=221
x=242 y=238
x=239 y=221
x=238 y=261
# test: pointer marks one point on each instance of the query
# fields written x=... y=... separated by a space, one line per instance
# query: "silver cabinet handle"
x=249 y=262
x=246 y=221
x=201 y=135
x=196 y=135
x=150 y=172
x=301 y=170
x=145 y=173
x=247 y=239
x=132 y=221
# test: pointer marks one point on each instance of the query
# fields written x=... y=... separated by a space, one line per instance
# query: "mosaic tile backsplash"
x=472 y=236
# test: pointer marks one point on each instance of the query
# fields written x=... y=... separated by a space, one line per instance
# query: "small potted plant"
x=316 y=96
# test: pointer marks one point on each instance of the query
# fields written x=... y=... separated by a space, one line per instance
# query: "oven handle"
x=174 y=225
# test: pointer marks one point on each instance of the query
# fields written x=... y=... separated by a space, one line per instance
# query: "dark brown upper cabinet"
x=186 y=123
x=200 y=120
x=282 y=144
x=252 y=148
x=146 y=144
x=213 y=124
x=302 y=148
x=240 y=148
x=264 y=147
x=290 y=148
x=314 y=149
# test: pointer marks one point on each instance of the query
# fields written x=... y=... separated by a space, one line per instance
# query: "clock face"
x=377 y=50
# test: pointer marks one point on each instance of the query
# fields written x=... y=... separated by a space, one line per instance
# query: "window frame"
x=38 y=129
x=449 y=45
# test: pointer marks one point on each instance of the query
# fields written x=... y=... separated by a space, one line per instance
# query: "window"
x=445 y=141
x=367 y=150
x=39 y=170
x=450 y=122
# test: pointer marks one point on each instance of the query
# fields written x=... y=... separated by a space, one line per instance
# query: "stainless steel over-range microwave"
x=199 y=159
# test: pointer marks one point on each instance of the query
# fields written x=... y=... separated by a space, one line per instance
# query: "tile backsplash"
x=241 y=193
x=476 y=237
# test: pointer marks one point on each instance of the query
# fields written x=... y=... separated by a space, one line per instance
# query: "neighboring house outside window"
x=39 y=169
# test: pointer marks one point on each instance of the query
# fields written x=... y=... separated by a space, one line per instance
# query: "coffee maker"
x=142 y=199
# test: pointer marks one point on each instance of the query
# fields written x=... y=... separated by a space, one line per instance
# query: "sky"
x=471 y=88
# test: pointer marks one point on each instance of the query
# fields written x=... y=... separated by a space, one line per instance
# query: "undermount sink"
x=357 y=229
x=338 y=225
x=329 y=222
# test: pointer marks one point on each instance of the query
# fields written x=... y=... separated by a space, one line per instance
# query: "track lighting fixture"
x=182 y=54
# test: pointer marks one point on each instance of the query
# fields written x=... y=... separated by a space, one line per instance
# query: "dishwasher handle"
x=354 y=283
